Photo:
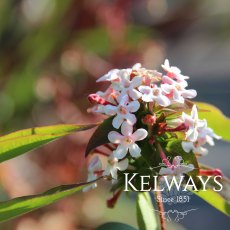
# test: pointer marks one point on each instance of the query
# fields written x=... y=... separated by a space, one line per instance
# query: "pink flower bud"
x=149 y=119
x=210 y=172
x=96 y=99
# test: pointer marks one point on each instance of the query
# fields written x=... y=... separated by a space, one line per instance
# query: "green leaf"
x=100 y=136
x=225 y=192
x=214 y=199
x=17 y=143
x=19 y=206
x=146 y=217
x=216 y=119
x=115 y=226
x=221 y=199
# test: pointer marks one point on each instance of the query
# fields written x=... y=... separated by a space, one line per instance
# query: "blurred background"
x=52 y=52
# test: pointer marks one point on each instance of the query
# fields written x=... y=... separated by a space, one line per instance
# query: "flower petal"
x=139 y=135
x=192 y=134
x=113 y=172
x=194 y=113
x=167 y=80
x=120 y=152
x=110 y=76
x=133 y=106
x=134 y=150
x=134 y=94
x=147 y=98
x=163 y=101
x=131 y=118
x=166 y=171
x=117 y=121
x=191 y=93
x=137 y=81
x=123 y=165
x=126 y=129
x=187 y=146
x=166 y=88
x=124 y=100
x=115 y=137
x=110 y=110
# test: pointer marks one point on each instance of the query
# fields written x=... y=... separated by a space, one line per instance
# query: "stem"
x=160 y=208
x=163 y=156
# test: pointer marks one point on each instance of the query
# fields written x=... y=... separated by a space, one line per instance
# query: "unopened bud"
x=210 y=172
x=149 y=119
x=96 y=99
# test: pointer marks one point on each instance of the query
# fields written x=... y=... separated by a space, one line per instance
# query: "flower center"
x=122 y=110
x=178 y=87
x=128 y=140
x=156 y=92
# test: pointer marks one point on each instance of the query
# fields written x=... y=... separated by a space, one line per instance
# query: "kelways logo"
x=147 y=183
x=172 y=190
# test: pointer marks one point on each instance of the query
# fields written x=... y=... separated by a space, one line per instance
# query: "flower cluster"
x=147 y=107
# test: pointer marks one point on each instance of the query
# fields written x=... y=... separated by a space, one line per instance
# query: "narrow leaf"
x=145 y=213
x=100 y=136
x=115 y=226
x=214 y=199
x=219 y=199
x=19 y=206
x=17 y=143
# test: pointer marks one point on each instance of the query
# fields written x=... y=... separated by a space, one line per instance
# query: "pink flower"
x=128 y=85
x=126 y=141
x=193 y=123
x=173 y=72
x=123 y=111
x=153 y=95
x=195 y=148
x=112 y=75
x=177 y=167
x=176 y=90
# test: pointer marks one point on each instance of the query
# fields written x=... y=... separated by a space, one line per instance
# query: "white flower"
x=202 y=135
x=94 y=168
x=153 y=94
x=176 y=90
x=173 y=71
x=177 y=167
x=112 y=75
x=114 y=165
x=123 y=111
x=193 y=123
x=206 y=135
x=128 y=85
x=190 y=146
x=126 y=141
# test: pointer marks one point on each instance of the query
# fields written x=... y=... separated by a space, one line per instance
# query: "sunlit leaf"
x=19 y=206
x=216 y=119
x=17 y=143
x=218 y=199
x=215 y=199
x=146 y=217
